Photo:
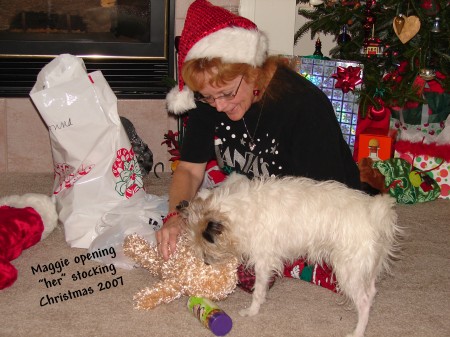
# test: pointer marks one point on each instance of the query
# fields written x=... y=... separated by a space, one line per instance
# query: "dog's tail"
x=383 y=213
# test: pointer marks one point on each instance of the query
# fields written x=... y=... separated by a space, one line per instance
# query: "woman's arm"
x=186 y=181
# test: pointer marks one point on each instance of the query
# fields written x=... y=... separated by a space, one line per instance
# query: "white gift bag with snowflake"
x=94 y=163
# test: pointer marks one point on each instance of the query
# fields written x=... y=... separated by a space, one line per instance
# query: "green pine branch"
x=425 y=50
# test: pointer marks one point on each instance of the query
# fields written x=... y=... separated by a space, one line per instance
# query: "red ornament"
x=430 y=7
x=348 y=3
x=378 y=114
x=370 y=20
x=347 y=78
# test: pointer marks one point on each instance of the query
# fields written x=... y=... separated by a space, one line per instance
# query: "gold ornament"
x=410 y=28
x=399 y=22
x=427 y=74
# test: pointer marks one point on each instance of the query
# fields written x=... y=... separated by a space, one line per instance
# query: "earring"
x=256 y=92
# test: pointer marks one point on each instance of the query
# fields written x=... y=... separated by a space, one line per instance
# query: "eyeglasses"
x=211 y=100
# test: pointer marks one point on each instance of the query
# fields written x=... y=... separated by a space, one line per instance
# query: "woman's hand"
x=186 y=181
x=167 y=236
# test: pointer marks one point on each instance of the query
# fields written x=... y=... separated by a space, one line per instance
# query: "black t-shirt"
x=297 y=134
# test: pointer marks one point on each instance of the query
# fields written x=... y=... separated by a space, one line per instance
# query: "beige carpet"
x=415 y=302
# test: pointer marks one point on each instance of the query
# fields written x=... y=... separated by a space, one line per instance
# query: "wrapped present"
x=429 y=153
x=406 y=183
x=429 y=117
x=376 y=144
x=338 y=79
x=435 y=167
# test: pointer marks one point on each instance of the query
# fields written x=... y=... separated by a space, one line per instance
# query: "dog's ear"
x=212 y=230
x=182 y=208
x=182 y=205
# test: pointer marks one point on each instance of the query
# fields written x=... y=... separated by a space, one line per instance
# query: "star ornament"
x=347 y=78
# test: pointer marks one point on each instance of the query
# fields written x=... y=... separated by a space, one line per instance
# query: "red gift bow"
x=347 y=78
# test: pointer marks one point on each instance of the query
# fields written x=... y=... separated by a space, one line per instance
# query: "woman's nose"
x=220 y=104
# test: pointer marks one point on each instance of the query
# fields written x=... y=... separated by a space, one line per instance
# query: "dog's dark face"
x=212 y=231
x=208 y=231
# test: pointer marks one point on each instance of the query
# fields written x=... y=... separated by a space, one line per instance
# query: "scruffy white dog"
x=267 y=222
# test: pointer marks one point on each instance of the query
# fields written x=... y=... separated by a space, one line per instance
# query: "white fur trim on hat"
x=232 y=45
x=42 y=204
x=178 y=101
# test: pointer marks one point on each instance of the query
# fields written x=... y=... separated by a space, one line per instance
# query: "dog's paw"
x=245 y=312
x=354 y=334
x=251 y=311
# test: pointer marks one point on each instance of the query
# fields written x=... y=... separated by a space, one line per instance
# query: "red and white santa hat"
x=211 y=31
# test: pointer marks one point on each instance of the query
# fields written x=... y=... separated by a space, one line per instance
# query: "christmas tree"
x=397 y=42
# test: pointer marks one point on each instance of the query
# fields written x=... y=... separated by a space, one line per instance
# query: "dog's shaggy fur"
x=267 y=222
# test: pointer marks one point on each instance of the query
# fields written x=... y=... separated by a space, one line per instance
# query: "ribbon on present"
x=347 y=78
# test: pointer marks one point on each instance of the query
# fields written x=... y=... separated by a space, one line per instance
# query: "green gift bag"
x=406 y=183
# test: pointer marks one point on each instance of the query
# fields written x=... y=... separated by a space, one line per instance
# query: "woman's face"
x=237 y=106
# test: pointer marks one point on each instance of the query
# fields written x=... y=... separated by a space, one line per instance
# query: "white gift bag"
x=94 y=163
x=143 y=217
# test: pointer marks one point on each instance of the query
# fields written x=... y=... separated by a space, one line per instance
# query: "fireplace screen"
x=131 y=41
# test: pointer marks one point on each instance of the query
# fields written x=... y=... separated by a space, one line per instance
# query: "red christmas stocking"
x=320 y=275
x=314 y=273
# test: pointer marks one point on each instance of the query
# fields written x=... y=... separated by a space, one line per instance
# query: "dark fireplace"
x=130 y=41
